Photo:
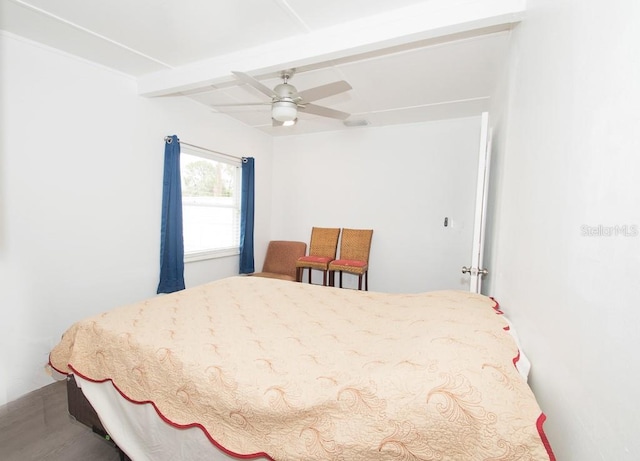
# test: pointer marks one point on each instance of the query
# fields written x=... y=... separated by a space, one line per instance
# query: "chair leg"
x=366 y=281
x=324 y=278
x=359 y=282
x=340 y=279
x=310 y=270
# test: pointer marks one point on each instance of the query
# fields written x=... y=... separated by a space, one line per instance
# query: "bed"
x=248 y=367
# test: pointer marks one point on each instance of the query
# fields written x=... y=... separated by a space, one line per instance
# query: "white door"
x=476 y=271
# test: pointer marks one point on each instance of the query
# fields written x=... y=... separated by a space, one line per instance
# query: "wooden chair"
x=280 y=261
x=354 y=256
x=322 y=250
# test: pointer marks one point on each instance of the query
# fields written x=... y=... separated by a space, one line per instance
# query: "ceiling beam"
x=374 y=35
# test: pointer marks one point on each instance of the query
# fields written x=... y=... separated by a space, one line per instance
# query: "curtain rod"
x=169 y=140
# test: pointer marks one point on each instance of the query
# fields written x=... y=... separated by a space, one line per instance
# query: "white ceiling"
x=406 y=60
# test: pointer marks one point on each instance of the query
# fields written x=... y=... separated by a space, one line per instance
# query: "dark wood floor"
x=37 y=427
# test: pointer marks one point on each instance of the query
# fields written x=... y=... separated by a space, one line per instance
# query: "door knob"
x=470 y=270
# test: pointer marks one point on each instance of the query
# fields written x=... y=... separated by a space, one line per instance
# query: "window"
x=210 y=205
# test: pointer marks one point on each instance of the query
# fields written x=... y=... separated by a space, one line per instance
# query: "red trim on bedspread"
x=166 y=420
x=543 y=436
x=51 y=365
x=542 y=417
x=516 y=359
x=507 y=328
x=497 y=306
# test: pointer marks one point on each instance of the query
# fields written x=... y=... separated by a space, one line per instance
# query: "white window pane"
x=210 y=204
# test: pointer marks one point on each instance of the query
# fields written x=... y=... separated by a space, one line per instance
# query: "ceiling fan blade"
x=242 y=104
x=323 y=111
x=248 y=79
x=324 y=91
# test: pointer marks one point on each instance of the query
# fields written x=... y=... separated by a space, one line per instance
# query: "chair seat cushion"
x=314 y=262
x=315 y=259
x=349 y=265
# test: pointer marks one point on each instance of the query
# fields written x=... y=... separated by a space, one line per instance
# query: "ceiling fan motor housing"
x=285 y=91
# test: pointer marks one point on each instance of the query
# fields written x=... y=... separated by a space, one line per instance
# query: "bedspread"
x=304 y=372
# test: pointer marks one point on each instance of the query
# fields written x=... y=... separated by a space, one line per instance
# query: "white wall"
x=81 y=181
x=571 y=158
x=401 y=181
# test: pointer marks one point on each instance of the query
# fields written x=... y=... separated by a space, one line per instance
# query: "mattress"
x=249 y=368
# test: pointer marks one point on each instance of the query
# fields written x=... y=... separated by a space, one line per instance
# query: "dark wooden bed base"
x=82 y=411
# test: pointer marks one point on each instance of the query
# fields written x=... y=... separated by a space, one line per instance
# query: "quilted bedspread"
x=303 y=372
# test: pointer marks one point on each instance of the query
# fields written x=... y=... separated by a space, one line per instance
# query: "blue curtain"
x=171 y=240
x=246 y=216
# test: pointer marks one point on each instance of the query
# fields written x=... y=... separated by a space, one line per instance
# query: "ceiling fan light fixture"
x=290 y=122
x=284 y=111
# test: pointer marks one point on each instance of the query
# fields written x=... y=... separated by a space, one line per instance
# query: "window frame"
x=201 y=255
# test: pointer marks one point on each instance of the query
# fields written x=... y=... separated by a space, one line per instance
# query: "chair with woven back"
x=280 y=260
x=354 y=256
x=322 y=250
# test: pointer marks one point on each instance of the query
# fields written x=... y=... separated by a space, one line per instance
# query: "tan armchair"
x=280 y=261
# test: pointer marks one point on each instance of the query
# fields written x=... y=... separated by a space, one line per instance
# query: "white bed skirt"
x=142 y=434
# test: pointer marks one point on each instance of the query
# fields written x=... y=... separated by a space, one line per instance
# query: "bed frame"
x=81 y=410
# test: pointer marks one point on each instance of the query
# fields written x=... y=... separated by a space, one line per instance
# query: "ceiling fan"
x=286 y=100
